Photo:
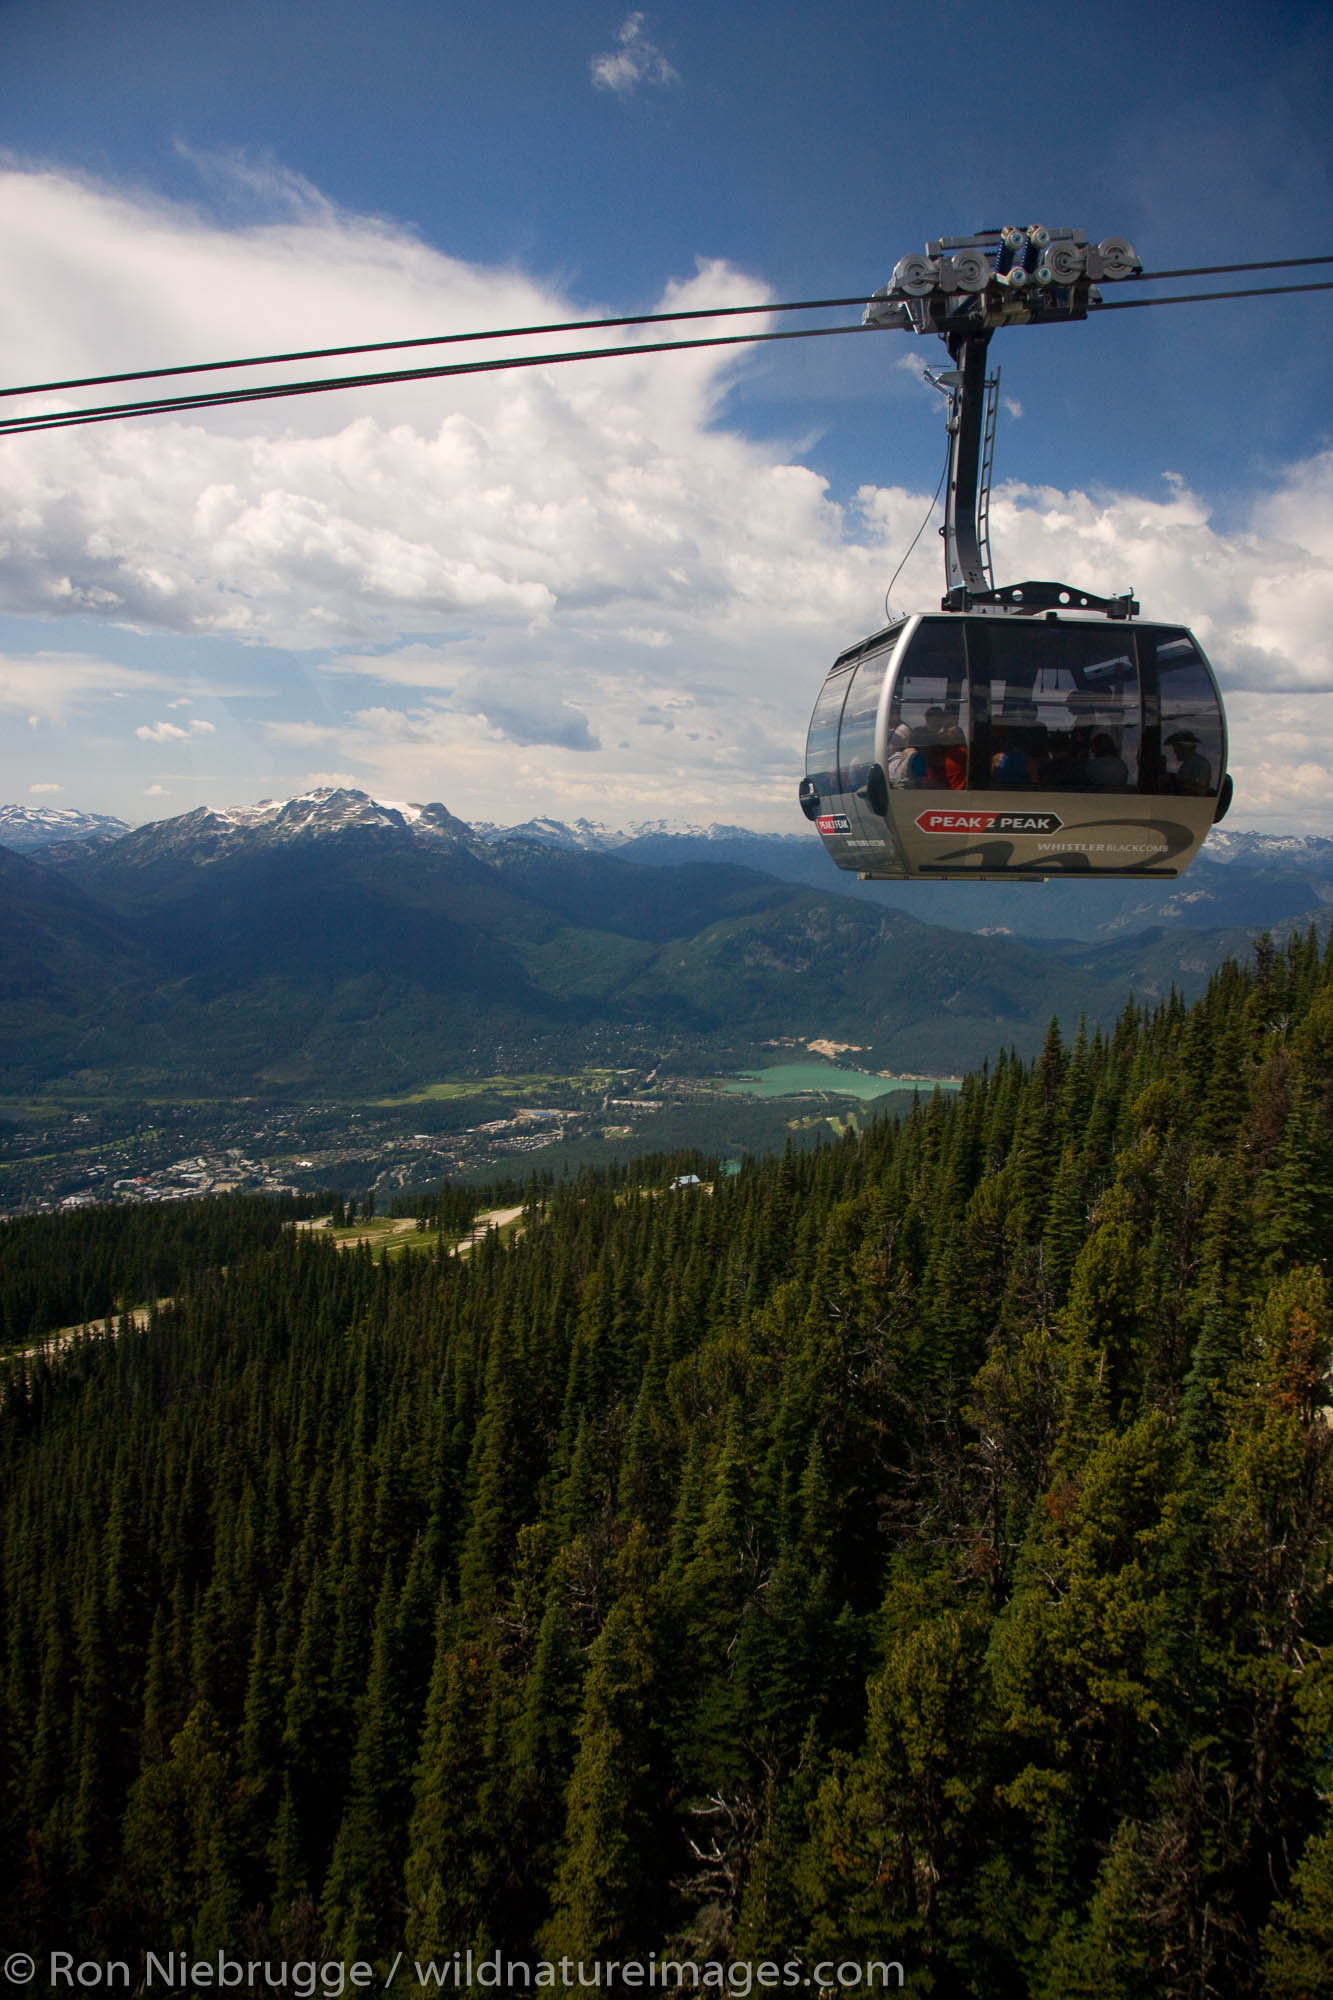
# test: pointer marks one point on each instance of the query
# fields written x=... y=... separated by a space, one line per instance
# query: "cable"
x=562 y=326
x=934 y=502
x=1222 y=270
x=1201 y=298
x=221 y=398
x=425 y=340
x=552 y=327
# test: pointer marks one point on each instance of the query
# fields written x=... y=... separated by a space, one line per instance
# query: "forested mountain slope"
x=918 y=1550
x=363 y=955
x=268 y=949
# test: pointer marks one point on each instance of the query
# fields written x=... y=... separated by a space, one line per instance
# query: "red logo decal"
x=988 y=822
x=955 y=822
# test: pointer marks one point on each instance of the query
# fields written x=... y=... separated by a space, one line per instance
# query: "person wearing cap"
x=1193 y=774
x=906 y=765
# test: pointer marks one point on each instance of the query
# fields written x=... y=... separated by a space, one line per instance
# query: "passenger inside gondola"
x=1106 y=768
x=945 y=749
x=1012 y=766
x=907 y=761
x=1020 y=744
x=1193 y=774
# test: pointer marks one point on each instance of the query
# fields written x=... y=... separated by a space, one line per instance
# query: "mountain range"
x=339 y=944
x=23 y=828
x=1240 y=880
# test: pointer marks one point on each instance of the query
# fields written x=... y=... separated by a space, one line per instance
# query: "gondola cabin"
x=1017 y=745
x=1031 y=731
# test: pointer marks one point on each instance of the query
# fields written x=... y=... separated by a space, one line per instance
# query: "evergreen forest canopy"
x=918 y=1549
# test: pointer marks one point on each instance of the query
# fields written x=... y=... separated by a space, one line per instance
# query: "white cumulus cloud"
x=499 y=591
x=1259 y=598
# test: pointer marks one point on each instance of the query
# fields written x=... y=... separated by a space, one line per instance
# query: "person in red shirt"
x=946 y=754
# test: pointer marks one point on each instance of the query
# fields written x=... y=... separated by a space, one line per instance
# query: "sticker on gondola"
x=987 y=822
x=833 y=823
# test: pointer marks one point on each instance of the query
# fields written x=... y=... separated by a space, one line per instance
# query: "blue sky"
x=613 y=596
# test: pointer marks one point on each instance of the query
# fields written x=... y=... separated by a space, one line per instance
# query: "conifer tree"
x=449 y=1859
x=608 y=1893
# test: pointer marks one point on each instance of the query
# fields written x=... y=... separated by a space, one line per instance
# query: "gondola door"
x=865 y=789
x=845 y=792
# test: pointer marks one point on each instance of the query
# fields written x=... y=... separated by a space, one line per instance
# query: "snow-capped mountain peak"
x=316 y=815
x=23 y=828
x=1259 y=850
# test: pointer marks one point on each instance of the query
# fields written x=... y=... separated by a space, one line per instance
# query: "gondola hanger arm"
x=965 y=288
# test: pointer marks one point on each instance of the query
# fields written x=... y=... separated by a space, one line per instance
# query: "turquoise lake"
x=787 y=1079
